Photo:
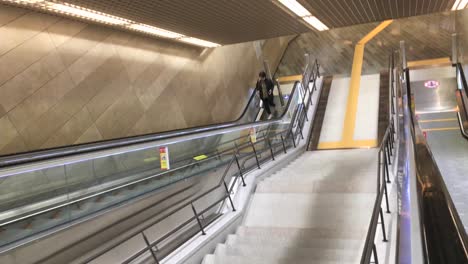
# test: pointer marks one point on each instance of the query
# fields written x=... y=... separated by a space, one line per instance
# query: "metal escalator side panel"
x=462 y=114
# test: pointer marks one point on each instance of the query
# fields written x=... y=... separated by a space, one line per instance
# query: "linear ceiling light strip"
x=88 y=14
x=459 y=5
x=304 y=14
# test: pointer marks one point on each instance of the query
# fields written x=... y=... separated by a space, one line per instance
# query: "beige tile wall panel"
x=108 y=95
x=25 y=27
x=81 y=43
x=64 y=30
x=71 y=131
x=66 y=82
x=8 y=14
x=41 y=101
x=120 y=116
x=8 y=131
x=90 y=135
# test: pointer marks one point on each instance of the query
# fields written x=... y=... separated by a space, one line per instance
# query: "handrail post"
x=386 y=173
x=293 y=138
x=300 y=126
x=198 y=219
x=387 y=147
x=240 y=171
x=255 y=153
x=269 y=144
x=284 y=146
x=374 y=251
x=228 y=196
x=280 y=93
x=379 y=170
x=148 y=245
x=384 y=234
x=386 y=196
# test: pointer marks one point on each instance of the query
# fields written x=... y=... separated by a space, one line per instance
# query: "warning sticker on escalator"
x=253 y=135
x=164 y=158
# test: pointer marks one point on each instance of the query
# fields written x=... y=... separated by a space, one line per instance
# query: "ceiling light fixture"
x=155 y=31
x=199 y=42
x=295 y=7
x=459 y=5
x=88 y=14
x=313 y=21
x=304 y=14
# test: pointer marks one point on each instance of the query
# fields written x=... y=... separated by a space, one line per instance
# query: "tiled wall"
x=64 y=82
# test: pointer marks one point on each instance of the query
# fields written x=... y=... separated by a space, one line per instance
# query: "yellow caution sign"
x=164 y=158
x=253 y=135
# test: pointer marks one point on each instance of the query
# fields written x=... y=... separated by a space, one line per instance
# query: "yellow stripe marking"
x=430 y=62
x=437 y=120
x=347 y=139
x=371 y=143
x=375 y=31
x=441 y=129
x=353 y=95
x=292 y=78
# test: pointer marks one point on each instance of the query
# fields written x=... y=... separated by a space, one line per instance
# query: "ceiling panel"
x=234 y=21
x=340 y=13
x=221 y=21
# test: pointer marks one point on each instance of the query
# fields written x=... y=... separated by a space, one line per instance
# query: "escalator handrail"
x=460 y=123
x=462 y=111
x=45 y=154
x=462 y=75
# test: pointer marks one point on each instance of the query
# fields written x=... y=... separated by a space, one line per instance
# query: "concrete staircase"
x=315 y=210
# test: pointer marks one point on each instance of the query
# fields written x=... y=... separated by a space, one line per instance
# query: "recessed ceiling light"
x=88 y=14
x=304 y=14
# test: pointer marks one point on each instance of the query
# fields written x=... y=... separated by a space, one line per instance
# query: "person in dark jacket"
x=265 y=90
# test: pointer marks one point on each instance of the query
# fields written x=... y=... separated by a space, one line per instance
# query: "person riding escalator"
x=264 y=88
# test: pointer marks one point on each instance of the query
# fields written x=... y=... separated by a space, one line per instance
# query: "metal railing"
x=272 y=143
x=384 y=160
x=385 y=153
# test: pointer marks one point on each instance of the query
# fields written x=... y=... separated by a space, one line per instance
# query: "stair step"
x=314 y=210
x=302 y=233
x=274 y=254
x=297 y=242
x=320 y=186
x=314 y=200
x=212 y=259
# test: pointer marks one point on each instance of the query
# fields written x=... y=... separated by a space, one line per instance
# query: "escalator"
x=47 y=191
x=445 y=132
x=430 y=220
